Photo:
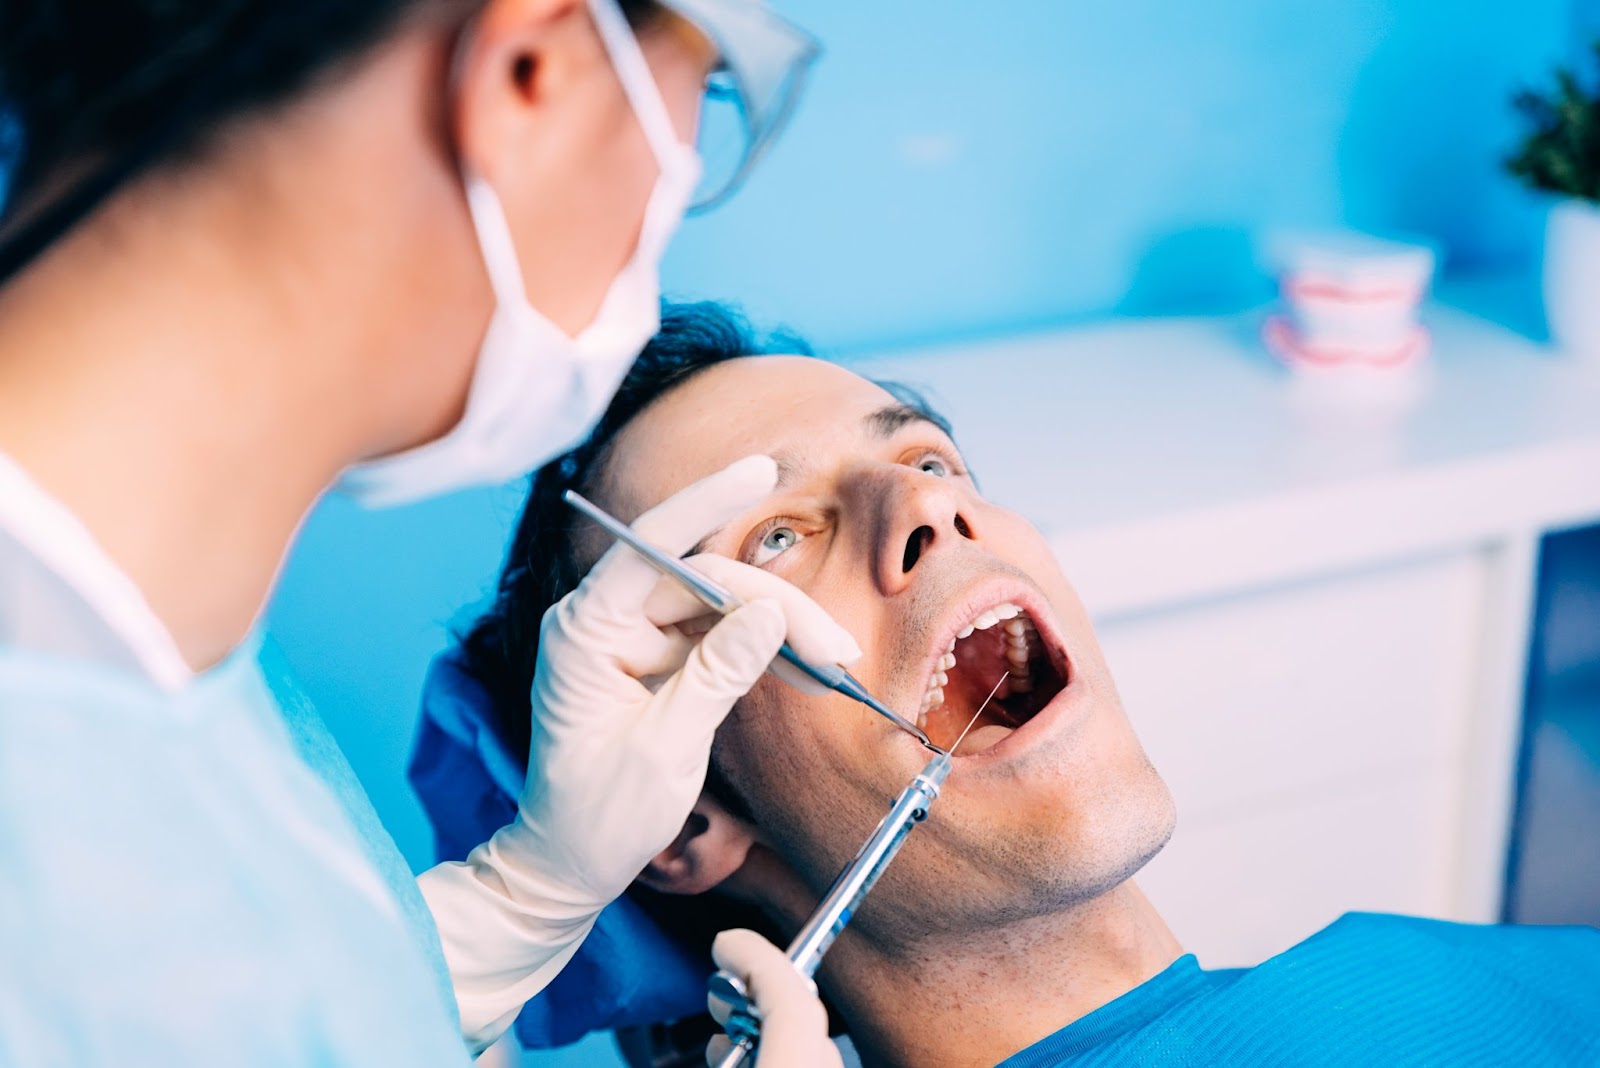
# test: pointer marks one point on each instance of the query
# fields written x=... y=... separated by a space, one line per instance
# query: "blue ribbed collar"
x=1182 y=980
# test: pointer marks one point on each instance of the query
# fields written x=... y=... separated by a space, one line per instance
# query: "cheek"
x=838 y=581
x=778 y=737
x=680 y=58
x=765 y=749
x=840 y=594
x=799 y=762
x=576 y=200
x=682 y=90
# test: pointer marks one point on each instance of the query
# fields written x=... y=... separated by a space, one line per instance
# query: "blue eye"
x=932 y=465
x=775 y=541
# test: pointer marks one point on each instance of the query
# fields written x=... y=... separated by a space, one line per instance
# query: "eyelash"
x=953 y=469
x=952 y=462
x=765 y=530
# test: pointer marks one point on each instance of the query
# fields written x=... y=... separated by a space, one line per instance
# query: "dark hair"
x=92 y=94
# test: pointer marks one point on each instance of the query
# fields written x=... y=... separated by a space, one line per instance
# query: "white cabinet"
x=1314 y=740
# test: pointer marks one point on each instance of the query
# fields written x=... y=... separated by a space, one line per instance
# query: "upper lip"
x=986 y=594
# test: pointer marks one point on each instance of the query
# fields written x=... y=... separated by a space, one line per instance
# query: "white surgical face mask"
x=537 y=390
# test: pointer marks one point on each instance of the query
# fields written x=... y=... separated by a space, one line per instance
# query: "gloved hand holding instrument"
x=624 y=708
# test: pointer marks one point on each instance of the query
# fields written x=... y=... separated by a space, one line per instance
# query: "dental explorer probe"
x=842 y=898
x=833 y=676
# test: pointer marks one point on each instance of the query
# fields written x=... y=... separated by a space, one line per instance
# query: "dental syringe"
x=840 y=902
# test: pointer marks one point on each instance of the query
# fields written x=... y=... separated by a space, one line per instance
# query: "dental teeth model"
x=1018 y=640
x=1350 y=306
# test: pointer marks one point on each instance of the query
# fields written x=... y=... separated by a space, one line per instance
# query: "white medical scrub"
x=189 y=871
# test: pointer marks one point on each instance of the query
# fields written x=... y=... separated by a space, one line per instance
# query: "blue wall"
x=1585 y=27
x=962 y=169
x=967 y=168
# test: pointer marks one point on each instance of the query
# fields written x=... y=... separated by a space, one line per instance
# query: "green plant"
x=1562 y=152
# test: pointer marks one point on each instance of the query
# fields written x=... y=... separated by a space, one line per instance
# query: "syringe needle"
x=951 y=751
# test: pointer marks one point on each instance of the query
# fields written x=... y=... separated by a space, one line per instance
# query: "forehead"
x=793 y=407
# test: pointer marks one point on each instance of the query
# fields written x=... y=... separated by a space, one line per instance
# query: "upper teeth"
x=988 y=619
x=1019 y=638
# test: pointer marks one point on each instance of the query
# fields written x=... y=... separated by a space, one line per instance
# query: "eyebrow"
x=887 y=421
x=884 y=423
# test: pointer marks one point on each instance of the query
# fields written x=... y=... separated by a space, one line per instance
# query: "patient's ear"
x=711 y=847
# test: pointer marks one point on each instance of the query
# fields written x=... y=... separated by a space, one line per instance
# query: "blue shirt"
x=1368 y=990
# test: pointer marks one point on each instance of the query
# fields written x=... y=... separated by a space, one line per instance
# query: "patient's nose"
x=917 y=514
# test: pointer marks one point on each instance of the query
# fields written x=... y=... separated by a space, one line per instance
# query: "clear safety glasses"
x=764 y=60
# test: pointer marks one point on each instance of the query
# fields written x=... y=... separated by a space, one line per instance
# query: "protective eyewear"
x=764 y=60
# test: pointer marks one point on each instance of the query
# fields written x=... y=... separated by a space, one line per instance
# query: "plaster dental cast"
x=251 y=251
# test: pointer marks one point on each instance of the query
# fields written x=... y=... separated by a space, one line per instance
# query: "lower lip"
x=1063 y=708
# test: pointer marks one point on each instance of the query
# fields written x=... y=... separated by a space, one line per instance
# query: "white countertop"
x=1170 y=460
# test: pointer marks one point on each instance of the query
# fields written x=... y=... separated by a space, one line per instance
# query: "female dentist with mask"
x=251 y=250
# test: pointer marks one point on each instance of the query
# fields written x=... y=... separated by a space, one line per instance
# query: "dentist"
x=252 y=250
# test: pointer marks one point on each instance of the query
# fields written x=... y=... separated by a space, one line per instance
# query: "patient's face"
x=1051 y=800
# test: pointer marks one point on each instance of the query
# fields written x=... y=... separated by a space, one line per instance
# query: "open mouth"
x=1000 y=651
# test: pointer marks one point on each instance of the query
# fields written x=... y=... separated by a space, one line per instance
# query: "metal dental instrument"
x=833 y=676
x=842 y=898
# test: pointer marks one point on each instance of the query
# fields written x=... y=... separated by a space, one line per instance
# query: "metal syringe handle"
x=838 y=905
x=859 y=876
x=742 y=1051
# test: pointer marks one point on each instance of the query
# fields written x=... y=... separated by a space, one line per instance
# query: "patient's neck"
x=977 y=998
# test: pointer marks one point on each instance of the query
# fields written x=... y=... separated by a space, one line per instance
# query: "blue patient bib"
x=1368 y=990
x=179 y=886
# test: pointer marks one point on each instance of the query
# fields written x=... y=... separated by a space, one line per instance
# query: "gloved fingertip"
x=849 y=648
x=765 y=624
x=731 y=948
x=759 y=469
x=827 y=640
x=738 y=485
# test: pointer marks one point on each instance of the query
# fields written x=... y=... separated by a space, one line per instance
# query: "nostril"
x=916 y=545
x=962 y=528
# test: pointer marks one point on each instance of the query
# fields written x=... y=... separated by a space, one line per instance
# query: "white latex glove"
x=794 y=1025
x=624 y=709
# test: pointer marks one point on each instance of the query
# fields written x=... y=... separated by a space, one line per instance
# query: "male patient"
x=1009 y=926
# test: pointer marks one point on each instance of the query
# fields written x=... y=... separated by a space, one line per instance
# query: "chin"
x=1097 y=844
